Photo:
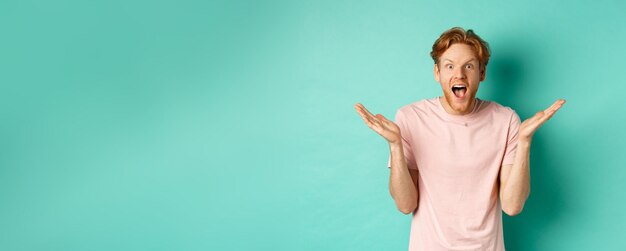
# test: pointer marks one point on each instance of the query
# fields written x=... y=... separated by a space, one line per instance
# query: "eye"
x=449 y=66
x=469 y=66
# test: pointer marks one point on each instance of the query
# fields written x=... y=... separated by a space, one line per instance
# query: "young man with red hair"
x=458 y=161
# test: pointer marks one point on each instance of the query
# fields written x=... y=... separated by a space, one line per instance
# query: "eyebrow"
x=444 y=59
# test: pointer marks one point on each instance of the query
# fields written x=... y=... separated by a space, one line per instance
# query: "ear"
x=436 y=73
x=483 y=74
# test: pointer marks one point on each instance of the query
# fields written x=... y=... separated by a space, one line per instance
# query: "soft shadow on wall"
x=509 y=74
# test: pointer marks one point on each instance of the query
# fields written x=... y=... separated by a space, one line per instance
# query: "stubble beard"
x=462 y=107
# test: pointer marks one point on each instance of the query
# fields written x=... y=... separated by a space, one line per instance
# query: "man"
x=453 y=157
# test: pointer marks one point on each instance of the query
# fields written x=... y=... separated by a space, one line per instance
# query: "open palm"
x=381 y=125
x=529 y=126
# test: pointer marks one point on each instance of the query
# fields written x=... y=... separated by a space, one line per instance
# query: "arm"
x=401 y=180
x=515 y=179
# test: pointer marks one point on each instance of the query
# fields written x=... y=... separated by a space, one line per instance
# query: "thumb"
x=381 y=117
x=536 y=116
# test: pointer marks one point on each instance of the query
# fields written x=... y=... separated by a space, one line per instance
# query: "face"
x=459 y=74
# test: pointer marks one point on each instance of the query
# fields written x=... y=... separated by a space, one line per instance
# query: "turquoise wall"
x=229 y=125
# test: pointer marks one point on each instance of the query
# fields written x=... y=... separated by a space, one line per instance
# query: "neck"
x=450 y=110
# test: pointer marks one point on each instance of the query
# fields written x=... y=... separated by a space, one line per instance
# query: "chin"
x=461 y=106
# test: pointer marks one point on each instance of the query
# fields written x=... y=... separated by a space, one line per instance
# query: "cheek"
x=476 y=76
x=445 y=76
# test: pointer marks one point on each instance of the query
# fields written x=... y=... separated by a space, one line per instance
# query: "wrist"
x=394 y=146
x=524 y=142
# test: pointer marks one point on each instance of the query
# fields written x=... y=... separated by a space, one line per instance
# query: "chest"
x=460 y=147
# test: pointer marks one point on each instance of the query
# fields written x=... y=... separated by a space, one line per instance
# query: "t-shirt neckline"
x=478 y=107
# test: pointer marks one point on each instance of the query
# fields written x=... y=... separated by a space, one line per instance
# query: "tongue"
x=459 y=92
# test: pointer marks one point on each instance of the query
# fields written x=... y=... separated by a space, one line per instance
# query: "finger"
x=374 y=125
x=381 y=118
x=365 y=115
x=371 y=121
x=536 y=117
x=556 y=105
x=548 y=116
x=552 y=110
x=361 y=109
x=366 y=119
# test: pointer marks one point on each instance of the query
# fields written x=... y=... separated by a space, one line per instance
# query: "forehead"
x=459 y=53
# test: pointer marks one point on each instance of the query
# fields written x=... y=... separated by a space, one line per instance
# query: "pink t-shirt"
x=458 y=158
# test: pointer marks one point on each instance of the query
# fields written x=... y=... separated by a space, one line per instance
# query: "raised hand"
x=529 y=126
x=381 y=125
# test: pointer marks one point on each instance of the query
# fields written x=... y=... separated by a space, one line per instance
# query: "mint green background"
x=228 y=125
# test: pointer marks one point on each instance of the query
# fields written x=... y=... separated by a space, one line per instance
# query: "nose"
x=459 y=73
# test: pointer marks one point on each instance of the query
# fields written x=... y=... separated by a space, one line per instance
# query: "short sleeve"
x=407 y=143
x=512 y=137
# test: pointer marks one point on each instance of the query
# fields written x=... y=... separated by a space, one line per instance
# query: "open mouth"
x=459 y=90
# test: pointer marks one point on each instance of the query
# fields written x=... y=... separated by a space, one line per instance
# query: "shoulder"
x=419 y=108
x=500 y=111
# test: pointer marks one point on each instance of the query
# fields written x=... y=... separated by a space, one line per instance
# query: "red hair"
x=459 y=35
